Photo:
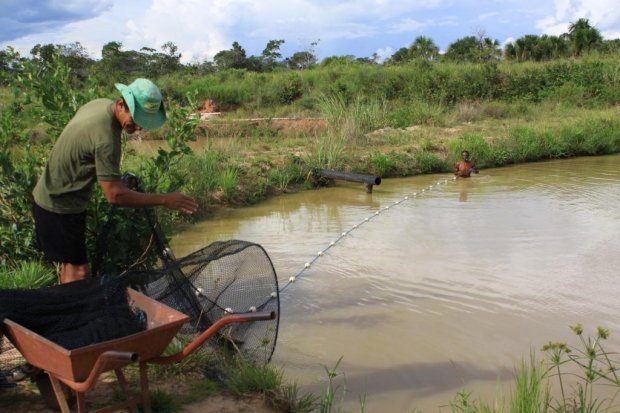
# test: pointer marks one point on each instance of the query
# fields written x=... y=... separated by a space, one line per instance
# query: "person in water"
x=464 y=168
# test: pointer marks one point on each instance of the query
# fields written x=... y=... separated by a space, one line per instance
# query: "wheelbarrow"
x=79 y=369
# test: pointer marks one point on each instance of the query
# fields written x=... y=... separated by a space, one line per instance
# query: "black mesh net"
x=74 y=315
x=223 y=278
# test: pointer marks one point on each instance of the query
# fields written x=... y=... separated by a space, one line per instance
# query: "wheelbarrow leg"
x=144 y=384
x=81 y=402
x=122 y=381
x=60 y=396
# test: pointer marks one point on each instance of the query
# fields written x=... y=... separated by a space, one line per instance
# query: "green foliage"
x=290 y=89
x=49 y=85
x=594 y=364
x=473 y=49
x=289 y=399
x=228 y=182
x=427 y=162
x=327 y=152
x=381 y=163
x=462 y=403
x=19 y=165
x=164 y=402
x=352 y=119
x=27 y=274
x=416 y=112
x=245 y=377
x=531 y=394
x=332 y=390
x=477 y=145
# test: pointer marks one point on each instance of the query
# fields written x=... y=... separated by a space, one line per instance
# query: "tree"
x=76 y=57
x=400 y=56
x=234 y=58
x=305 y=59
x=271 y=53
x=583 y=37
x=475 y=49
x=339 y=60
x=10 y=62
x=423 y=47
x=537 y=48
x=301 y=60
x=170 y=60
x=155 y=64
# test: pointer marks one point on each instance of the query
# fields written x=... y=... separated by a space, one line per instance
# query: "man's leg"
x=72 y=272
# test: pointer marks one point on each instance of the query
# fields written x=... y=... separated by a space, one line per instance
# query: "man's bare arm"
x=118 y=194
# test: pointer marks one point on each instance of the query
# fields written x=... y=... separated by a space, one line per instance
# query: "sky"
x=362 y=28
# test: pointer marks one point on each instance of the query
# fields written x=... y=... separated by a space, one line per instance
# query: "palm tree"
x=423 y=47
x=583 y=37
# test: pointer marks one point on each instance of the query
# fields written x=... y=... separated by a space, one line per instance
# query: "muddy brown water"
x=445 y=291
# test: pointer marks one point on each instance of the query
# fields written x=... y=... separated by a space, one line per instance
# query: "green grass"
x=27 y=274
x=245 y=377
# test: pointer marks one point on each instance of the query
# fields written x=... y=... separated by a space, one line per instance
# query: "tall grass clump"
x=352 y=119
x=245 y=377
x=27 y=274
x=416 y=112
x=228 y=182
x=476 y=144
x=428 y=162
x=327 y=152
x=531 y=394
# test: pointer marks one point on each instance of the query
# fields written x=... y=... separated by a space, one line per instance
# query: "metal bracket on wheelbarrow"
x=80 y=368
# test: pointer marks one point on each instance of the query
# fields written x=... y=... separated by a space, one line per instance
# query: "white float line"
x=343 y=235
x=319 y=254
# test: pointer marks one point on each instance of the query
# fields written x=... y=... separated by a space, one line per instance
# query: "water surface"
x=438 y=292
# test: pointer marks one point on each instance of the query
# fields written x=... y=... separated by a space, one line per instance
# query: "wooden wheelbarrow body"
x=79 y=368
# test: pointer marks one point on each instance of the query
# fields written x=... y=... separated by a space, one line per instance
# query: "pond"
x=446 y=290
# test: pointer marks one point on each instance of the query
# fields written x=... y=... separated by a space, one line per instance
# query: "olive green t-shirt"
x=89 y=148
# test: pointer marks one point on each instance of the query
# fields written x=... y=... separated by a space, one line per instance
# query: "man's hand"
x=116 y=193
x=180 y=202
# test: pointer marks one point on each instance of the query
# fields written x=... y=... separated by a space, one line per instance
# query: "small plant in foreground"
x=327 y=402
x=27 y=274
x=289 y=400
x=246 y=377
x=594 y=364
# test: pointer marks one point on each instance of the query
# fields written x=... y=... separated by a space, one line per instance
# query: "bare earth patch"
x=25 y=398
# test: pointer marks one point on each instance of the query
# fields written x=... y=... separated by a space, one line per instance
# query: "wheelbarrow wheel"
x=43 y=383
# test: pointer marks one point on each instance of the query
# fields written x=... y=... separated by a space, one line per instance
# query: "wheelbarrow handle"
x=214 y=328
x=103 y=363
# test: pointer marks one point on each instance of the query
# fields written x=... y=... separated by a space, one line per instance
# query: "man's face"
x=465 y=156
x=127 y=122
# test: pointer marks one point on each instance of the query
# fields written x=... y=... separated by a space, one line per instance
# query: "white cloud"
x=602 y=14
x=201 y=28
x=384 y=53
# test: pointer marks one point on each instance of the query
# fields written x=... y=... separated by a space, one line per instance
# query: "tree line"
x=118 y=64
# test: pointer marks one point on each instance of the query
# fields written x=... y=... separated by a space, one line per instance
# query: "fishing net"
x=227 y=277
x=74 y=315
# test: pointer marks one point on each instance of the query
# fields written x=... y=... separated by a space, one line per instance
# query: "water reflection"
x=446 y=290
x=464 y=185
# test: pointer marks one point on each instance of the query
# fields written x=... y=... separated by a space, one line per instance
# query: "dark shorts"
x=61 y=237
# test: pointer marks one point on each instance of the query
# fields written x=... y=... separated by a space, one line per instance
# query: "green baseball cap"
x=145 y=103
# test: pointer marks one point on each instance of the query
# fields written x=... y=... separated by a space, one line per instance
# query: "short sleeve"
x=108 y=161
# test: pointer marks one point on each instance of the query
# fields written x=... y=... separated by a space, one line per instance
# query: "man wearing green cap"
x=88 y=151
